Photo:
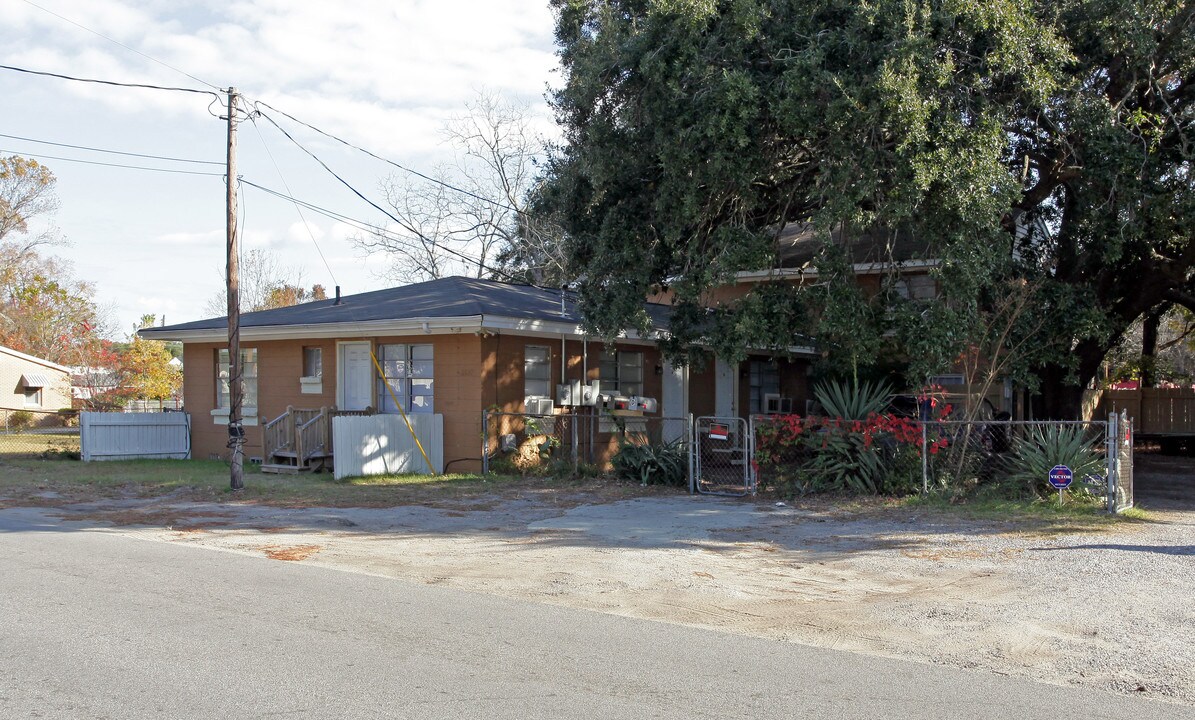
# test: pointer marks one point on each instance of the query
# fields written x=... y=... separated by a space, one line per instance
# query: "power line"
x=332 y=172
x=117 y=42
x=368 y=227
x=258 y=104
x=377 y=207
x=286 y=185
x=116 y=165
x=108 y=82
x=112 y=152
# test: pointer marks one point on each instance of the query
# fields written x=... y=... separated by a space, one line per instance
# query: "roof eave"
x=374 y=328
x=811 y=271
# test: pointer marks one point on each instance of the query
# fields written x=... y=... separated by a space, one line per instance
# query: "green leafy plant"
x=1044 y=447
x=60 y=453
x=851 y=401
x=20 y=419
x=664 y=464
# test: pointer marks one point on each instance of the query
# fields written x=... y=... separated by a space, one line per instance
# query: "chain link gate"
x=1120 y=462
x=721 y=457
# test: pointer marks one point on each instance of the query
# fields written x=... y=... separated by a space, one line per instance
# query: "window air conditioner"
x=539 y=405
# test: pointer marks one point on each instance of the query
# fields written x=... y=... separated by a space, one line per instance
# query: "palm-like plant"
x=851 y=401
x=1044 y=447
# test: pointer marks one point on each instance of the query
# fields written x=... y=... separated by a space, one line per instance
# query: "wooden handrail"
x=310 y=437
x=275 y=434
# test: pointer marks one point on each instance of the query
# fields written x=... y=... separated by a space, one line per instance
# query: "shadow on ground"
x=1164 y=482
x=679 y=521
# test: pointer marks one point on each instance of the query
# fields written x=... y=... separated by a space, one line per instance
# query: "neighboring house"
x=92 y=383
x=454 y=346
x=34 y=385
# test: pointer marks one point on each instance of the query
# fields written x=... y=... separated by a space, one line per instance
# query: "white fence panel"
x=382 y=445
x=129 y=436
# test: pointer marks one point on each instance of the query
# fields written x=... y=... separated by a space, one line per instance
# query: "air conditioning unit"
x=535 y=405
x=773 y=404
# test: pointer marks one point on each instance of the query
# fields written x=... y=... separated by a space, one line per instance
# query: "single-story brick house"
x=454 y=346
x=31 y=384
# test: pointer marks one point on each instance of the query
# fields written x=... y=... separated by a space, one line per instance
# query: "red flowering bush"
x=878 y=455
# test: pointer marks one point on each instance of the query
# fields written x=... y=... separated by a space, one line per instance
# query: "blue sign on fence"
x=1061 y=477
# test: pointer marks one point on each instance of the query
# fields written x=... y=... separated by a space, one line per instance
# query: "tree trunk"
x=1058 y=399
x=1149 y=345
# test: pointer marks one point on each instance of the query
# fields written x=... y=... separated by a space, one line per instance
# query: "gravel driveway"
x=1110 y=608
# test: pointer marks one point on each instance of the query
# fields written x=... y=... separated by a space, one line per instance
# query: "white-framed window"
x=537 y=372
x=311 y=382
x=764 y=378
x=33 y=397
x=622 y=372
x=410 y=371
x=248 y=374
x=313 y=362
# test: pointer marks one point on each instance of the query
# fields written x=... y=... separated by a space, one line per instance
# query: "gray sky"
x=383 y=74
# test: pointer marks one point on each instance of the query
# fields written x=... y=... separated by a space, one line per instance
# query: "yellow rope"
x=406 y=419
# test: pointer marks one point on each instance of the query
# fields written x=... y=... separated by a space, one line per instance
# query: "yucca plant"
x=666 y=463
x=1044 y=447
x=850 y=401
x=845 y=464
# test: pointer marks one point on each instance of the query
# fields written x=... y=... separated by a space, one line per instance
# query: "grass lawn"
x=32 y=443
x=1077 y=512
x=47 y=482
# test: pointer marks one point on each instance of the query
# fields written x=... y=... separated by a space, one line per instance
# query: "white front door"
x=725 y=384
x=354 y=376
x=674 y=401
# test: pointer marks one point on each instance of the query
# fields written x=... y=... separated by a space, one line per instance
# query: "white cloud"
x=300 y=232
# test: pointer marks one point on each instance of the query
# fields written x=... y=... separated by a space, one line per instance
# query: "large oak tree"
x=1042 y=149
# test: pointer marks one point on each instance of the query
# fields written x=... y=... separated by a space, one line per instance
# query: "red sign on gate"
x=719 y=431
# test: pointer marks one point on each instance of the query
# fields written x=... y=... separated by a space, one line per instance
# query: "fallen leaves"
x=291 y=553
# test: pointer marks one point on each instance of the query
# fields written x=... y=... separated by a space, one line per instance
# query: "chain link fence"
x=794 y=455
x=1016 y=454
x=900 y=456
x=650 y=449
x=39 y=433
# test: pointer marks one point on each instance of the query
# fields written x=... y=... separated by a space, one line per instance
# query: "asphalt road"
x=101 y=625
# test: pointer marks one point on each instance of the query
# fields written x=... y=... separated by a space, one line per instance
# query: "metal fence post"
x=924 y=458
x=1113 y=460
x=692 y=449
x=573 y=423
x=485 y=443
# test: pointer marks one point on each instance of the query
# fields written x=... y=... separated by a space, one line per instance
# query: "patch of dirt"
x=291 y=553
x=176 y=519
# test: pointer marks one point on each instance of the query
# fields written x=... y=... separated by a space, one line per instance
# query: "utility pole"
x=236 y=393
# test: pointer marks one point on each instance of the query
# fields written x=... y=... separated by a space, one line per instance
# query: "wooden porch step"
x=282 y=469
